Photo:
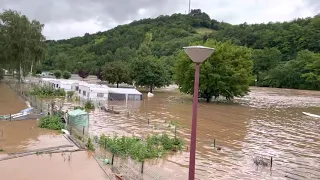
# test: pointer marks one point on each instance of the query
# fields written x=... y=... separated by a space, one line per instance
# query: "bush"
x=57 y=74
x=66 y=75
x=47 y=92
x=154 y=147
x=70 y=94
x=78 y=107
x=89 y=105
x=51 y=122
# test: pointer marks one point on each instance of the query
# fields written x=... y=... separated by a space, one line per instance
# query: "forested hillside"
x=284 y=54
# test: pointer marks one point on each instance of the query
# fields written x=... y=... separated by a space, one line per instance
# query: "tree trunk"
x=150 y=90
x=208 y=99
x=117 y=84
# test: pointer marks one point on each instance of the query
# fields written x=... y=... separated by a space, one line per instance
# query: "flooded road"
x=266 y=123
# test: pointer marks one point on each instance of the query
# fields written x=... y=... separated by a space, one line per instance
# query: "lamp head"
x=198 y=54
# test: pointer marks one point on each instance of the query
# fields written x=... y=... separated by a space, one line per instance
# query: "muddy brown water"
x=266 y=123
x=23 y=135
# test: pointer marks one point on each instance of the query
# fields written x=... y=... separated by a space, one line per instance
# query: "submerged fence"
x=112 y=163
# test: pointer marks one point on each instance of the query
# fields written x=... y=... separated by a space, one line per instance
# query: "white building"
x=93 y=91
x=124 y=94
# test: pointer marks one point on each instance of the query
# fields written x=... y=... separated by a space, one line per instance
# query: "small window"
x=79 y=91
x=57 y=85
x=100 y=95
x=84 y=93
x=77 y=88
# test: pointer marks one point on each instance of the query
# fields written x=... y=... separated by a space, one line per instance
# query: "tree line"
x=149 y=53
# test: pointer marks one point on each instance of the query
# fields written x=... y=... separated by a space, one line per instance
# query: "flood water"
x=23 y=135
x=266 y=123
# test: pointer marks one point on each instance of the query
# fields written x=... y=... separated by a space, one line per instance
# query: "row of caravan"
x=92 y=91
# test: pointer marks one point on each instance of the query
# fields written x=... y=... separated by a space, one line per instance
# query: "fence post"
x=112 y=159
x=70 y=130
x=175 y=132
x=10 y=117
x=83 y=130
x=271 y=162
x=142 y=166
x=214 y=142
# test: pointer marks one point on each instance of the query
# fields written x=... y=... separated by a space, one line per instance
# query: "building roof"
x=99 y=90
x=77 y=112
x=124 y=91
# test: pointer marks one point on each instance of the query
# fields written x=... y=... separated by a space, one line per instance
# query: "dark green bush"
x=57 y=74
x=89 y=105
x=51 y=122
x=66 y=75
x=47 y=92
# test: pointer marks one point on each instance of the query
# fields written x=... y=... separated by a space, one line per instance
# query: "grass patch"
x=154 y=147
x=51 y=122
x=203 y=30
x=1 y=150
x=70 y=94
x=47 y=92
x=89 y=105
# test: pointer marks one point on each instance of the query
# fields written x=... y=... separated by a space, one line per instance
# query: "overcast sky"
x=69 y=18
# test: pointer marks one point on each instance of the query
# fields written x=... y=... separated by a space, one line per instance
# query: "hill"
x=284 y=40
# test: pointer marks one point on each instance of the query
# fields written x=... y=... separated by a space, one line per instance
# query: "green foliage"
x=57 y=74
x=300 y=73
x=116 y=72
x=70 y=94
x=51 y=122
x=89 y=105
x=46 y=91
x=1 y=73
x=155 y=146
x=226 y=73
x=66 y=75
x=21 y=42
x=1 y=150
x=90 y=145
x=148 y=70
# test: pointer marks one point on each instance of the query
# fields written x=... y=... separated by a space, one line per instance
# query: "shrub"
x=89 y=105
x=78 y=107
x=66 y=75
x=154 y=147
x=51 y=122
x=70 y=94
x=57 y=74
x=47 y=92
x=83 y=74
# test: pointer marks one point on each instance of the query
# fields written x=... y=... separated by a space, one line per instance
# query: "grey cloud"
x=314 y=4
x=51 y=11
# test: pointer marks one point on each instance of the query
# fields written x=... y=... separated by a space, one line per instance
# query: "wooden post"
x=112 y=108
x=148 y=121
x=142 y=166
x=271 y=162
x=83 y=130
x=214 y=142
x=105 y=143
x=112 y=159
x=175 y=132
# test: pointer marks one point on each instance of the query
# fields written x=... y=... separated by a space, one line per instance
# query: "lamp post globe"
x=197 y=54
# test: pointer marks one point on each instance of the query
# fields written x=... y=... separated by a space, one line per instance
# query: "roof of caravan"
x=124 y=91
x=102 y=90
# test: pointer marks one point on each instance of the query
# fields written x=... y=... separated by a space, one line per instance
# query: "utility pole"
x=189 y=6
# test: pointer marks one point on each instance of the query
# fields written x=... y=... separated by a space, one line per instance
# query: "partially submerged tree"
x=115 y=73
x=57 y=74
x=147 y=69
x=66 y=75
x=83 y=74
x=226 y=73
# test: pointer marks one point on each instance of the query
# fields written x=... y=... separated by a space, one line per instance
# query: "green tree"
x=57 y=74
x=1 y=73
x=263 y=61
x=116 y=72
x=148 y=70
x=21 y=42
x=66 y=75
x=227 y=73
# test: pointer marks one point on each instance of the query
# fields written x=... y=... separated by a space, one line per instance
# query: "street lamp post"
x=197 y=54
